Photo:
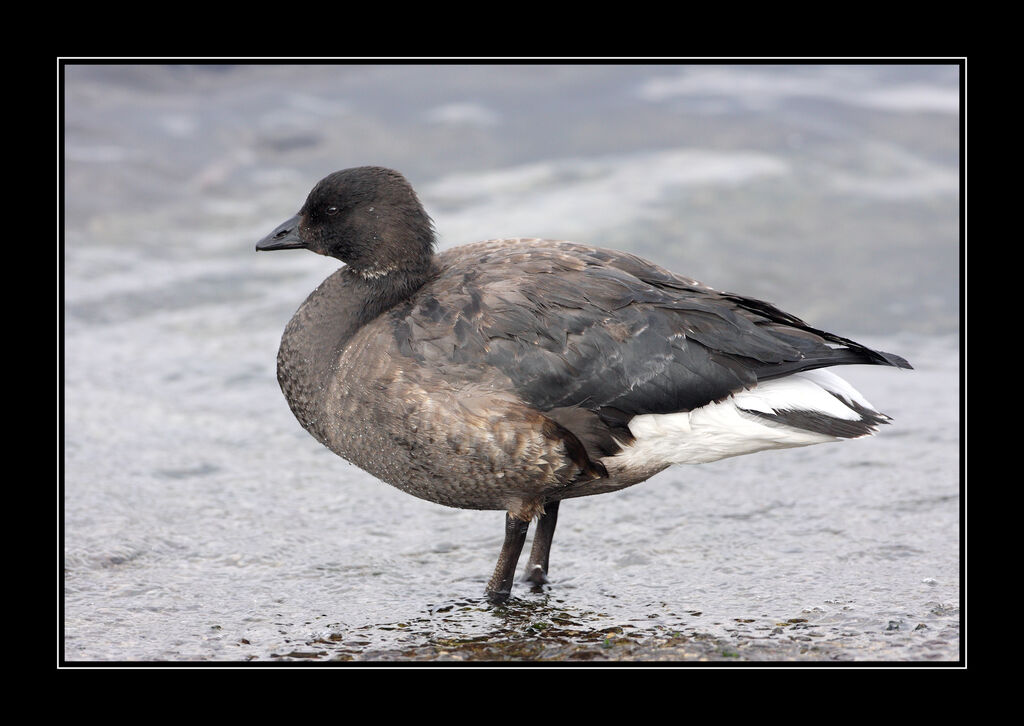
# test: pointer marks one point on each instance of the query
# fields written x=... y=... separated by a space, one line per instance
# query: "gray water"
x=200 y=523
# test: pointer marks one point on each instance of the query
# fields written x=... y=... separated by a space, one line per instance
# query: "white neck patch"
x=372 y=273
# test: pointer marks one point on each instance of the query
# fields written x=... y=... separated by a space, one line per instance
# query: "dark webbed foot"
x=500 y=585
x=536 y=575
x=537 y=567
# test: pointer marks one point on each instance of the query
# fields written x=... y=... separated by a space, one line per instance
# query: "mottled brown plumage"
x=447 y=429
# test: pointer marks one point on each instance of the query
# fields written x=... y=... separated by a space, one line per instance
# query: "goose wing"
x=577 y=327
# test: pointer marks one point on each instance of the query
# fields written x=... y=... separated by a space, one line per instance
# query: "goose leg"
x=537 y=567
x=500 y=586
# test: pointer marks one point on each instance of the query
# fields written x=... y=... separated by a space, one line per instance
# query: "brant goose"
x=514 y=373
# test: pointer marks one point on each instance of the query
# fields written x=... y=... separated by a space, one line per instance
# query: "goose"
x=512 y=374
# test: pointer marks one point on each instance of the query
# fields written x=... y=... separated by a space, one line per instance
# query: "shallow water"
x=200 y=523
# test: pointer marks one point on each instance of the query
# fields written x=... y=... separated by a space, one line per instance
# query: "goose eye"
x=332 y=211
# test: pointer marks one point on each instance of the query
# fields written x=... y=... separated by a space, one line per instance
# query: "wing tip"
x=894 y=360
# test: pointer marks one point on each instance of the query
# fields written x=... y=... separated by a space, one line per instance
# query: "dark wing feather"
x=605 y=331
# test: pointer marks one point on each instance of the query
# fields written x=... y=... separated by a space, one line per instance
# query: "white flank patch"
x=799 y=392
x=834 y=384
x=720 y=430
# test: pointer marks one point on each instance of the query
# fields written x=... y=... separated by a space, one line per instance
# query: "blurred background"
x=200 y=522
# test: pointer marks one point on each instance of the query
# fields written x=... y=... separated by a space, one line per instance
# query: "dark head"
x=368 y=217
